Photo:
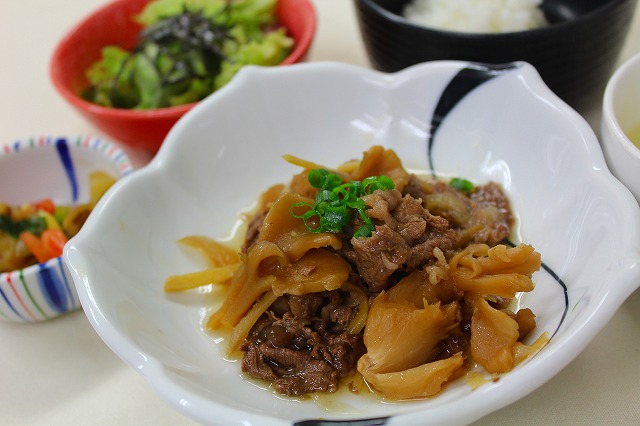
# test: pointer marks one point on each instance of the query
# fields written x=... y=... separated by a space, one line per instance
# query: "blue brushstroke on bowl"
x=10 y=305
x=65 y=157
x=465 y=81
x=461 y=84
x=379 y=421
x=55 y=286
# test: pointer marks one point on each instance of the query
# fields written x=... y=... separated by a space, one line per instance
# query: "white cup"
x=620 y=115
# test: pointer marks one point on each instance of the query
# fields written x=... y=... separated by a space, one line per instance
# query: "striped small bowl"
x=57 y=168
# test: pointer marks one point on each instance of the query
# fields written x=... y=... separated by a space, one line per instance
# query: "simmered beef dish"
x=300 y=343
x=371 y=272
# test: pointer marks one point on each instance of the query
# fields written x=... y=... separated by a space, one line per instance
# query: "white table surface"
x=61 y=373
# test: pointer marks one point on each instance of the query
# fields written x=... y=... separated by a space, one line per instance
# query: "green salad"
x=186 y=50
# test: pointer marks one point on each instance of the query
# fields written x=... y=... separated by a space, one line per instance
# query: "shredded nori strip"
x=179 y=49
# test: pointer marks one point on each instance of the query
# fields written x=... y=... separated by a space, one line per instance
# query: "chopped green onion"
x=462 y=185
x=336 y=202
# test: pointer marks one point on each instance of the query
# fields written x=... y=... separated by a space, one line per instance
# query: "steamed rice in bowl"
x=477 y=16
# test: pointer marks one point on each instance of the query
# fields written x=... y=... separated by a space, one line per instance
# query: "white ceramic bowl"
x=621 y=115
x=58 y=168
x=500 y=124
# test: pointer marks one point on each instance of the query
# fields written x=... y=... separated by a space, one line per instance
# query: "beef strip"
x=404 y=237
x=303 y=347
x=380 y=256
x=492 y=213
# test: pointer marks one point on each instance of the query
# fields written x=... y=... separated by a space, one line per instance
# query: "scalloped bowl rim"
x=483 y=400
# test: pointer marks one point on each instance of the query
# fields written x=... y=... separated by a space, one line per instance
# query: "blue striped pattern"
x=44 y=291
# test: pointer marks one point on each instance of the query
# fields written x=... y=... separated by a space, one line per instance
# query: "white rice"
x=476 y=16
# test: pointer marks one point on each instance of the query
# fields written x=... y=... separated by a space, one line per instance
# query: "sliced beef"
x=458 y=338
x=404 y=237
x=491 y=195
x=338 y=312
x=301 y=346
x=492 y=214
x=380 y=256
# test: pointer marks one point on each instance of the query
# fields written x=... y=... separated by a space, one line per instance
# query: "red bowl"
x=113 y=25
